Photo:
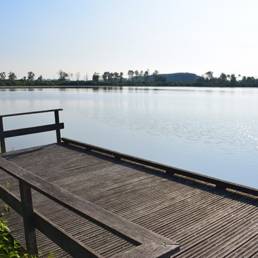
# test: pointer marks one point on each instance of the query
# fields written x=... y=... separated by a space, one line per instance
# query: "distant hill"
x=180 y=77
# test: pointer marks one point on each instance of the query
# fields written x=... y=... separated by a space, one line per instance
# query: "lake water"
x=209 y=131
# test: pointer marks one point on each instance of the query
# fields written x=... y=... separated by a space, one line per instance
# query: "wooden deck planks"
x=205 y=221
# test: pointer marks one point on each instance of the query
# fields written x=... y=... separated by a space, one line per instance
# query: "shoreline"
x=117 y=86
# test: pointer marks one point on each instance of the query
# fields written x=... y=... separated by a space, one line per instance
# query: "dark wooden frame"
x=57 y=126
x=147 y=243
x=220 y=184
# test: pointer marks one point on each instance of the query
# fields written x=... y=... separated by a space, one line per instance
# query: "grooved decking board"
x=205 y=221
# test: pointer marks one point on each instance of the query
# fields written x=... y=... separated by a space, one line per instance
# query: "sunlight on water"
x=211 y=131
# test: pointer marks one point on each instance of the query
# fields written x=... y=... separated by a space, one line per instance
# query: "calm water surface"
x=210 y=131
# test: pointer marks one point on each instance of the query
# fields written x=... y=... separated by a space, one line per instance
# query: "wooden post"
x=2 y=140
x=28 y=220
x=58 y=134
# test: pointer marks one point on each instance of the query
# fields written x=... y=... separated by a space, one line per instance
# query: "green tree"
x=156 y=75
x=233 y=79
x=121 y=76
x=116 y=76
x=250 y=80
x=2 y=76
x=244 y=79
x=40 y=78
x=209 y=75
x=130 y=74
x=95 y=77
x=105 y=76
x=110 y=76
x=12 y=76
x=156 y=72
x=62 y=75
x=146 y=74
x=223 y=77
x=31 y=76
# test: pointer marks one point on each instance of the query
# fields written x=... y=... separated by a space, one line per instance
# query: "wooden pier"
x=72 y=199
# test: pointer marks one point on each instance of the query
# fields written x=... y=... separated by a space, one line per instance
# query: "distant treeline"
x=226 y=80
x=135 y=78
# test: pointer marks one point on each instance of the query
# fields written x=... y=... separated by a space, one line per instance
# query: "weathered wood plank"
x=66 y=242
x=203 y=219
x=30 y=113
x=31 y=130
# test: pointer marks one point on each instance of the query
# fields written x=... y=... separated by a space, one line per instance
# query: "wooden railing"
x=220 y=184
x=146 y=242
x=57 y=126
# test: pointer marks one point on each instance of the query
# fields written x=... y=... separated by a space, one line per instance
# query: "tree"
x=146 y=74
x=244 y=79
x=209 y=75
x=105 y=76
x=121 y=76
x=233 y=79
x=250 y=80
x=116 y=75
x=110 y=76
x=223 y=77
x=12 y=76
x=40 y=78
x=156 y=72
x=31 y=76
x=136 y=73
x=62 y=75
x=95 y=77
x=130 y=74
x=2 y=76
x=156 y=76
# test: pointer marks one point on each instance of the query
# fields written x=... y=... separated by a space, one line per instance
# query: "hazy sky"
x=116 y=35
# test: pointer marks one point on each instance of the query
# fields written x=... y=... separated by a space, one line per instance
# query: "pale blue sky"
x=112 y=35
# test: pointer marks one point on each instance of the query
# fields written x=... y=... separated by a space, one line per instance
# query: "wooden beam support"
x=58 y=134
x=28 y=218
x=2 y=140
